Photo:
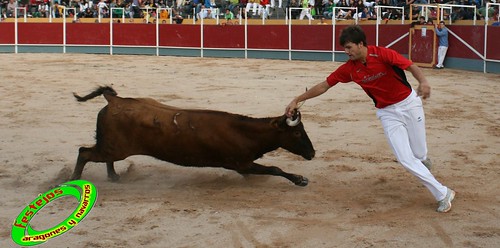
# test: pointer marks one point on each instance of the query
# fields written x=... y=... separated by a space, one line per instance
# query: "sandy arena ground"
x=358 y=195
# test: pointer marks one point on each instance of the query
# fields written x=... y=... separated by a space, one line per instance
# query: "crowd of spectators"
x=365 y=9
x=349 y=9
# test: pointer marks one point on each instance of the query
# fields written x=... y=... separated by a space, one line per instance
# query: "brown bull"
x=189 y=137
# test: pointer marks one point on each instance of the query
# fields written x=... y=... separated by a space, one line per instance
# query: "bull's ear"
x=279 y=122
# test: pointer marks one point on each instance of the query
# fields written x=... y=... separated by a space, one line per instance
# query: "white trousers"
x=252 y=6
x=280 y=3
x=404 y=128
x=441 y=55
x=264 y=10
x=306 y=12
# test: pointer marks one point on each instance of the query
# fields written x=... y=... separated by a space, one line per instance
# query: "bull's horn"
x=294 y=120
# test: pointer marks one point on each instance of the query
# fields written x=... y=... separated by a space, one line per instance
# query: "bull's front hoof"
x=74 y=177
x=303 y=181
x=114 y=178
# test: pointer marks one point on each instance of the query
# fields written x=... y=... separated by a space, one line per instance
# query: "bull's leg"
x=92 y=154
x=84 y=154
x=111 y=172
x=255 y=168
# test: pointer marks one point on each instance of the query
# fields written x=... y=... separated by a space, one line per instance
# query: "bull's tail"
x=102 y=90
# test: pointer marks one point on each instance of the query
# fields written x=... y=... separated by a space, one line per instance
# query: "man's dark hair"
x=352 y=34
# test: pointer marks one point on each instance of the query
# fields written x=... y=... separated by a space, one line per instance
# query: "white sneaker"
x=445 y=204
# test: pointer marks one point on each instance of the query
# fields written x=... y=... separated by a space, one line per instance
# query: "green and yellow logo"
x=84 y=191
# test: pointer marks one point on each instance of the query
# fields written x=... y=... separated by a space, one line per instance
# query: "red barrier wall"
x=78 y=34
x=180 y=35
x=304 y=37
x=389 y=33
x=472 y=35
x=233 y=36
x=268 y=36
x=40 y=33
x=134 y=34
x=7 y=33
x=492 y=48
x=317 y=37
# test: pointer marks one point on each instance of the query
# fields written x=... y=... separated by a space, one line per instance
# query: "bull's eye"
x=296 y=134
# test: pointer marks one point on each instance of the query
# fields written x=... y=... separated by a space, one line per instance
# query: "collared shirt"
x=442 y=36
x=382 y=77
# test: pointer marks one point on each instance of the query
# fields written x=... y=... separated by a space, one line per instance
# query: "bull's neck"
x=266 y=136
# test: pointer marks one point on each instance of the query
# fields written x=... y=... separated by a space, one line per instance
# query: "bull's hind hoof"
x=302 y=181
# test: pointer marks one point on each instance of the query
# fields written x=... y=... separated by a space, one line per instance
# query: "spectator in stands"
x=264 y=8
x=229 y=17
x=481 y=12
x=421 y=21
x=369 y=3
x=415 y=12
x=306 y=9
x=160 y=4
x=242 y=5
x=56 y=10
x=11 y=8
x=233 y=6
x=367 y=14
x=176 y=17
x=409 y=2
x=344 y=14
x=294 y=12
x=342 y=3
x=457 y=14
x=113 y=4
x=164 y=14
x=80 y=8
x=77 y=5
x=120 y=9
x=328 y=9
x=318 y=8
x=252 y=4
x=442 y=34
x=135 y=10
x=206 y=12
x=358 y=4
x=88 y=13
x=3 y=5
x=193 y=5
x=273 y=4
x=102 y=8
x=43 y=8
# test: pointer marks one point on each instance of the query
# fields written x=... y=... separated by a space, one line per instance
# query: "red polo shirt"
x=382 y=77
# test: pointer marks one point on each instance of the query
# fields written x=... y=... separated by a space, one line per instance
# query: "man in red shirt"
x=380 y=73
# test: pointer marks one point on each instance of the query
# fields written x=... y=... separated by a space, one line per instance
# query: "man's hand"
x=424 y=90
x=290 y=109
